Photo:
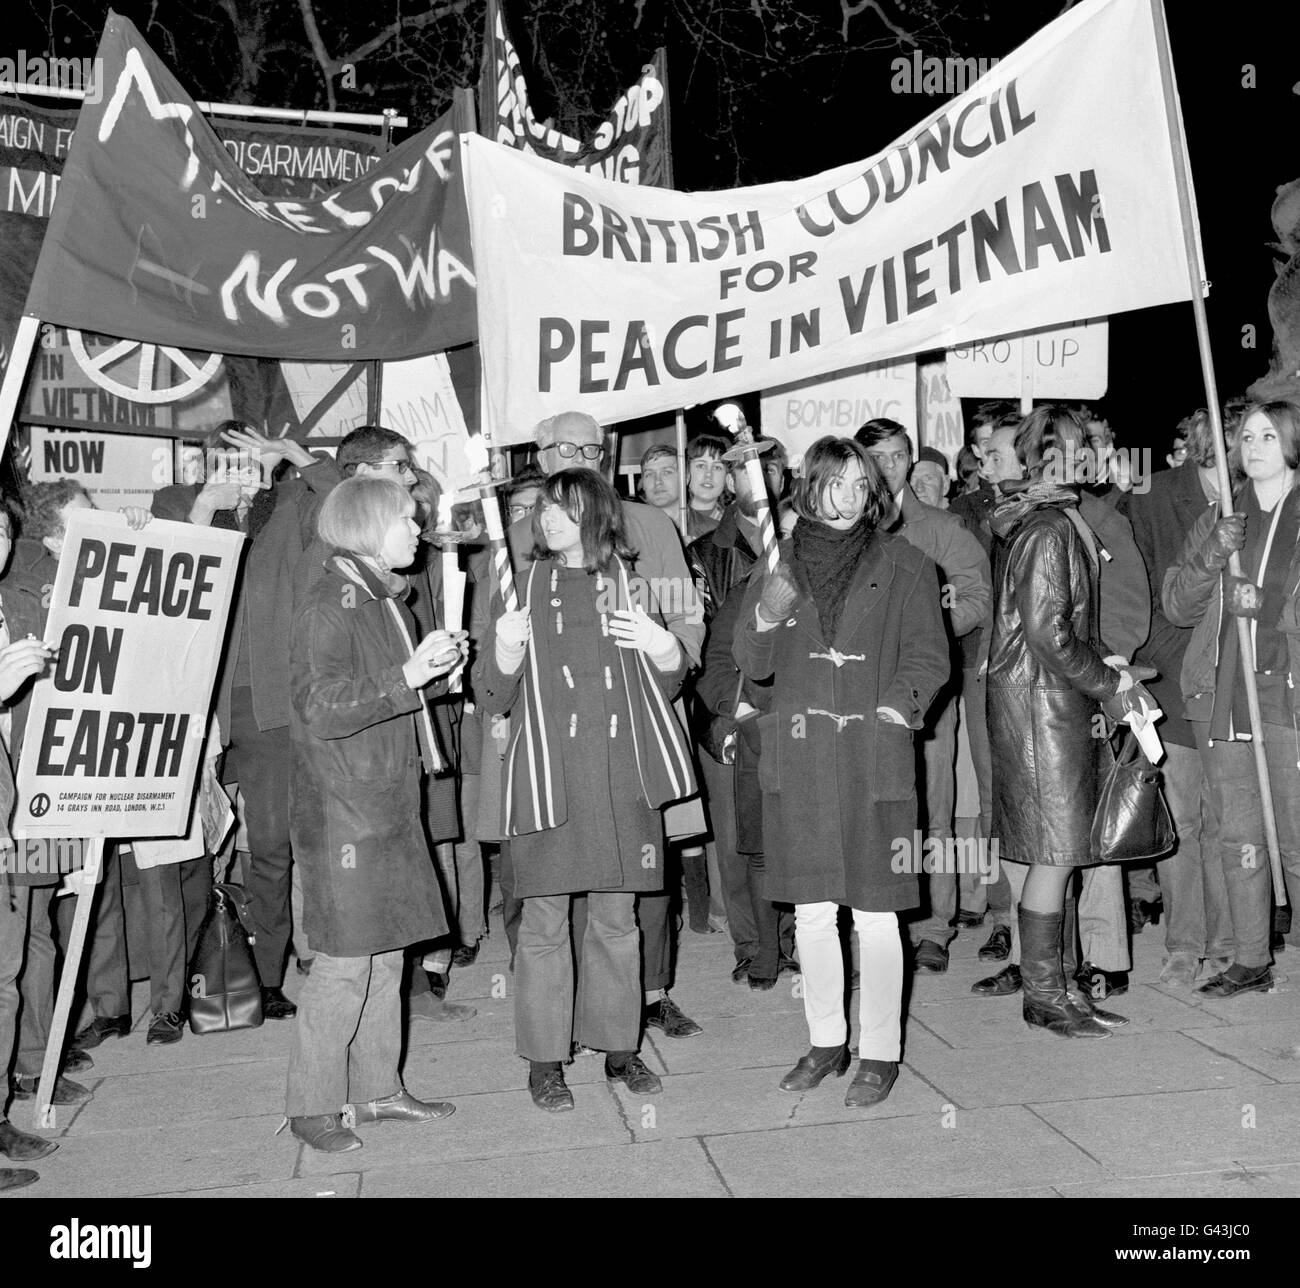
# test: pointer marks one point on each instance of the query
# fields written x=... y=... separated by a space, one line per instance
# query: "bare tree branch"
x=851 y=8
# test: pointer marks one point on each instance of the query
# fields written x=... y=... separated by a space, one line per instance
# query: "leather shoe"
x=100 y=1028
x=1003 y=984
x=741 y=971
x=1179 y=971
x=761 y=985
x=165 y=1029
x=424 y=1006
x=997 y=947
x=14 y=1178
x=873 y=1081
x=549 y=1091
x=77 y=1061
x=1084 y=1004
x=275 y=1006
x=22 y=1146
x=465 y=955
x=66 y=1092
x=814 y=1066
x=324 y=1132
x=1142 y=912
x=1238 y=979
x=667 y=1016
x=634 y=1075
x=401 y=1107
x=929 y=956
x=788 y=966
x=1098 y=983
x=967 y=920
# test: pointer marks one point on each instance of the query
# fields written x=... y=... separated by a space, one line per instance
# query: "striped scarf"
x=535 y=794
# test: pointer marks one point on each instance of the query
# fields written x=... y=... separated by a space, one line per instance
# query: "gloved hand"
x=1132 y=697
x=514 y=629
x=1243 y=598
x=635 y=628
x=779 y=595
x=1226 y=537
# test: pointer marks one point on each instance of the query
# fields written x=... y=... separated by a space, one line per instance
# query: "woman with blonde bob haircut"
x=360 y=729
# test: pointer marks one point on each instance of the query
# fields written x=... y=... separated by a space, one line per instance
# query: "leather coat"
x=1046 y=680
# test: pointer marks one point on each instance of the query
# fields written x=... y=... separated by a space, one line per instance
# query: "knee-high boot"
x=1046 y=1003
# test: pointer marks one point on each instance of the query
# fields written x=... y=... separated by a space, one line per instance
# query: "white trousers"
x=880 y=1001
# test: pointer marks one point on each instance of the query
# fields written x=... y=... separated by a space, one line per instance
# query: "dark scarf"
x=1231 y=713
x=1006 y=518
x=829 y=559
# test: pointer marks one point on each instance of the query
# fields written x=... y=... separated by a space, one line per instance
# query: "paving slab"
x=1232 y=1183
x=1191 y=1131
x=341 y=1185
x=502 y=1125
x=1030 y=1072
x=662 y=1169
x=1272 y=1047
x=166 y=1158
x=973 y=1021
x=698 y=1104
x=902 y=1157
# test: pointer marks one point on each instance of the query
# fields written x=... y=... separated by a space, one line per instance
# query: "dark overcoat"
x=839 y=783
x=1046 y=680
x=369 y=884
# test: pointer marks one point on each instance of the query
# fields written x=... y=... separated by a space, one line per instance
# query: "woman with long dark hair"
x=1199 y=592
x=850 y=633
x=1047 y=681
x=587 y=671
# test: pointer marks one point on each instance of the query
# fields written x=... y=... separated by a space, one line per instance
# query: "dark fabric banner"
x=632 y=143
x=281 y=161
x=159 y=236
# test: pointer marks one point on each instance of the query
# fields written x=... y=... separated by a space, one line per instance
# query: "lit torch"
x=732 y=419
x=477 y=455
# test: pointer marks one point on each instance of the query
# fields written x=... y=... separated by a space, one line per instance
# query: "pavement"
x=1192 y=1099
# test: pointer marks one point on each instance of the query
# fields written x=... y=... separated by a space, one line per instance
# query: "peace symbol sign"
x=194 y=373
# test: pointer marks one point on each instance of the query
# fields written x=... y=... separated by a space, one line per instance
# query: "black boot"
x=1046 y=1003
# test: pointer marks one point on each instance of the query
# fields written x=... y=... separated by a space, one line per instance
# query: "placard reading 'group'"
x=118 y=722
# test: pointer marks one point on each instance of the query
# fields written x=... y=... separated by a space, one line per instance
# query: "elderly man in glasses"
x=571 y=440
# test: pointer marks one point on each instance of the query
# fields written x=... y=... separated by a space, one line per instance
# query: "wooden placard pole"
x=1200 y=288
x=89 y=879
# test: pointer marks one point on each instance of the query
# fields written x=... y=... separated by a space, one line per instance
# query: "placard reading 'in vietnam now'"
x=118 y=723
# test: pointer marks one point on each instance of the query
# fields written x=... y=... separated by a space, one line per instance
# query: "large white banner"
x=1044 y=193
x=115 y=729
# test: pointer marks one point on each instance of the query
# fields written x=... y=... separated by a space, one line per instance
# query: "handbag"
x=225 y=988
x=1132 y=819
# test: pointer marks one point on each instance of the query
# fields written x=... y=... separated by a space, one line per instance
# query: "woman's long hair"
x=1285 y=419
x=594 y=506
x=824 y=462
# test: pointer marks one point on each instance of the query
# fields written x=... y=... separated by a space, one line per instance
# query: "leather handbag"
x=1132 y=819
x=225 y=988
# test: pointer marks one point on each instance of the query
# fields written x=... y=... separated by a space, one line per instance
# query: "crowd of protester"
x=892 y=733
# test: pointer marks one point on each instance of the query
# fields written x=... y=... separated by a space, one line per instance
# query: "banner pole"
x=16 y=372
x=90 y=877
x=681 y=474
x=1200 y=288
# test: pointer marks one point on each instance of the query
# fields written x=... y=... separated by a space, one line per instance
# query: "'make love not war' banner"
x=159 y=236
x=1029 y=200
x=115 y=732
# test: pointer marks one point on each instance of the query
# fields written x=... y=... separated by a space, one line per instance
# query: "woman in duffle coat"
x=360 y=730
x=1048 y=678
x=850 y=630
x=595 y=751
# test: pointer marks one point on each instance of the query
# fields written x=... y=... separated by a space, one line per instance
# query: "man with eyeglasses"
x=569 y=440
x=968 y=604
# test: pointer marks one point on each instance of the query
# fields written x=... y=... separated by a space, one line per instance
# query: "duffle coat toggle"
x=840 y=721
